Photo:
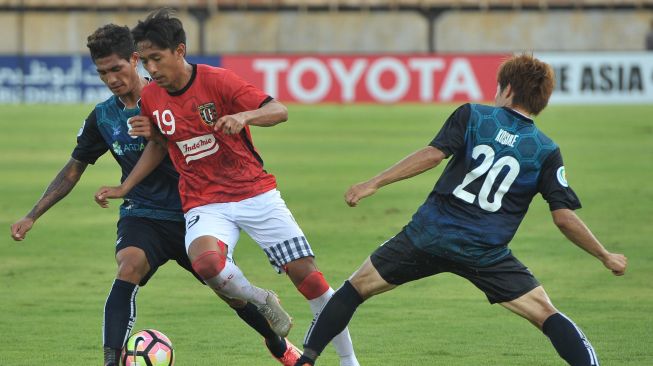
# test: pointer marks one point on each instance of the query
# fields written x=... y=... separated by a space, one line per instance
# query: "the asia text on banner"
x=376 y=79
x=602 y=77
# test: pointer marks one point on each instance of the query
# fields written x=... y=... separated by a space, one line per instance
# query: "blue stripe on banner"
x=29 y=78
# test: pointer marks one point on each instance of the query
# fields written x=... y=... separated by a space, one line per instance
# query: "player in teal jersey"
x=151 y=227
x=500 y=161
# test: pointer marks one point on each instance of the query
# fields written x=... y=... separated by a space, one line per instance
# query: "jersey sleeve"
x=553 y=184
x=451 y=137
x=240 y=95
x=90 y=144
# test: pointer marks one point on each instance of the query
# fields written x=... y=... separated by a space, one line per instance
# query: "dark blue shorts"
x=161 y=240
x=399 y=261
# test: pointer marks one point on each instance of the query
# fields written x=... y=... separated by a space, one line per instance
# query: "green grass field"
x=53 y=285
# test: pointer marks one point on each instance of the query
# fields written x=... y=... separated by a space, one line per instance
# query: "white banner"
x=602 y=77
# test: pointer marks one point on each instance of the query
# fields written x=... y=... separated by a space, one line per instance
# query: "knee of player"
x=313 y=285
x=209 y=264
x=300 y=268
x=132 y=271
x=540 y=311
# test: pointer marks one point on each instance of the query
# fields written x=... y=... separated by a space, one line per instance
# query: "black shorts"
x=399 y=261
x=161 y=240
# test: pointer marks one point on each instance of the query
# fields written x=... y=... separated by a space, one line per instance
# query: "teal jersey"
x=499 y=161
x=106 y=129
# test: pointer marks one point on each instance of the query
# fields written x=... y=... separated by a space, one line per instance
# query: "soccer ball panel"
x=148 y=347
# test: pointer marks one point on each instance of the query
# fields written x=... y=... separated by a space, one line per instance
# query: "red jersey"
x=213 y=167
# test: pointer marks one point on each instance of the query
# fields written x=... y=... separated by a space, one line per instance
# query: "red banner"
x=376 y=78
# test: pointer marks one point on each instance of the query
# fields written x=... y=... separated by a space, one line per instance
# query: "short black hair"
x=111 y=39
x=160 y=28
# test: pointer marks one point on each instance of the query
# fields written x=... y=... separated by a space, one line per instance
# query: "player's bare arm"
x=410 y=166
x=152 y=156
x=577 y=232
x=60 y=186
x=270 y=114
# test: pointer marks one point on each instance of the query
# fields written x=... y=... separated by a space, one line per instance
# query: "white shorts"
x=265 y=218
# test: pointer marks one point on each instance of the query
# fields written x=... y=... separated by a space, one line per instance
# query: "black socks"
x=569 y=341
x=119 y=316
x=332 y=320
x=254 y=319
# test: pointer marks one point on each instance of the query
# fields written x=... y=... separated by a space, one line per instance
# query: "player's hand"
x=359 y=191
x=615 y=262
x=103 y=195
x=20 y=228
x=141 y=126
x=231 y=124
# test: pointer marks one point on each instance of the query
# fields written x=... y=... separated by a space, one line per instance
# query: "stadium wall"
x=556 y=30
x=47 y=33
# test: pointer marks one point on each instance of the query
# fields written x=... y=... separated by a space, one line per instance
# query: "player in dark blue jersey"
x=151 y=227
x=499 y=162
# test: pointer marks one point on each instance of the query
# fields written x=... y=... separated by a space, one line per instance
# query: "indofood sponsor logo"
x=198 y=147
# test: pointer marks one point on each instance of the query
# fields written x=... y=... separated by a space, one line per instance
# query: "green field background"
x=53 y=285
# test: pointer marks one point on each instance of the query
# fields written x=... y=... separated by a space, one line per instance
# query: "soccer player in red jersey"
x=151 y=228
x=204 y=113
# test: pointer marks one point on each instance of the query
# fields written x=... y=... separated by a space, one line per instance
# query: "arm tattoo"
x=60 y=186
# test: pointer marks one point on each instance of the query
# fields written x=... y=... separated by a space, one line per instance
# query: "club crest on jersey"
x=208 y=113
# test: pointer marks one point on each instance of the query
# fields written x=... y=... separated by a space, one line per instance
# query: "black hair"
x=160 y=28
x=111 y=39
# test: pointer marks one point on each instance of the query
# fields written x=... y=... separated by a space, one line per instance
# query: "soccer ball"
x=148 y=347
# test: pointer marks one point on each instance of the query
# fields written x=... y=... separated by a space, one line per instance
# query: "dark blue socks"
x=332 y=320
x=119 y=313
x=250 y=315
x=569 y=341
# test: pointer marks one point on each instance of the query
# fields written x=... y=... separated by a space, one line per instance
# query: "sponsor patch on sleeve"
x=562 y=176
x=81 y=129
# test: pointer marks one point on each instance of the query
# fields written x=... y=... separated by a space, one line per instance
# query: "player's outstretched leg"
x=208 y=257
x=568 y=340
x=331 y=321
x=338 y=311
x=311 y=283
x=120 y=306
x=281 y=349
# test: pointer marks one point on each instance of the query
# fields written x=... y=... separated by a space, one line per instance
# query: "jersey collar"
x=122 y=105
x=521 y=116
x=190 y=82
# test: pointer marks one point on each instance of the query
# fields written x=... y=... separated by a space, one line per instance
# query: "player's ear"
x=133 y=60
x=181 y=50
x=508 y=90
